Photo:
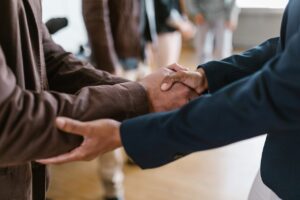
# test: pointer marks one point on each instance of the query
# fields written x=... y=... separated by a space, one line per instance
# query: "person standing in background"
x=171 y=25
x=104 y=22
x=117 y=32
x=216 y=20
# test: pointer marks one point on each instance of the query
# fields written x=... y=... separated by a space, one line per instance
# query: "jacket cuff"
x=138 y=99
x=147 y=142
x=214 y=78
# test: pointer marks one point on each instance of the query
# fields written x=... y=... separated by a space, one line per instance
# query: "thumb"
x=170 y=80
x=71 y=126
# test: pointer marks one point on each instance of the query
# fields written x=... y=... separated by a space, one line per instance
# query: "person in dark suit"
x=251 y=94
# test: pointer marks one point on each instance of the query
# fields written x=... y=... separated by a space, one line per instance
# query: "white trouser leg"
x=111 y=173
x=260 y=191
x=223 y=40
x=203 y=43
x=168 y=49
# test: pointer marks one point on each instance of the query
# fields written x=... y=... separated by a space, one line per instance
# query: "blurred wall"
x=256 y=25
x=74 y=35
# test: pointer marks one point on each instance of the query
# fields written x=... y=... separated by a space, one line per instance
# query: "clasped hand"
x=168 y=88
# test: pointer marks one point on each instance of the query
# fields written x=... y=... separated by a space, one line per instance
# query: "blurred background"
x=259 y=19
x=190 y=38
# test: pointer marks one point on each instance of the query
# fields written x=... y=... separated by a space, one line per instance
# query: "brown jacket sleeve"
x=98 y=25
x=27 y=130
x=67 y=74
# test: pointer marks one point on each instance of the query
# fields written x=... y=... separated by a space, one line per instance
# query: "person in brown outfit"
x=40 y=81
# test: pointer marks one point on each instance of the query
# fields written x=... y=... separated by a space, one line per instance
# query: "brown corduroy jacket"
x=39 y=81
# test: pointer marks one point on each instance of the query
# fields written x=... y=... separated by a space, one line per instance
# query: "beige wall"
x=256 y=25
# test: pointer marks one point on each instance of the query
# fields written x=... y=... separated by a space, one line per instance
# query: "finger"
x=176 y=67
x=170 y=80
x=72 y=156
x=199 y=90
x=72 y=126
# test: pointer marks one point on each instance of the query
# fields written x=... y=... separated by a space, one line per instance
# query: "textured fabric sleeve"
x=27 y=130
x=224 y=72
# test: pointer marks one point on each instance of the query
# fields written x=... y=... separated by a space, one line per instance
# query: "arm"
x=27 y=130
x=265 y=102
x=224 y=72
x=97 y=22
x=63 y=68
x=153 y=127
x=67 y=74
x=214 y=75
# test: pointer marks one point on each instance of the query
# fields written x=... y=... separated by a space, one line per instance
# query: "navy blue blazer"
x=254 y=93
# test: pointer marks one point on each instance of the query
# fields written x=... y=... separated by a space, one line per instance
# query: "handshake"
x=167 y=89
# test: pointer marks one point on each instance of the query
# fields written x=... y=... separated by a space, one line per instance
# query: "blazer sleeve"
x=264 y=102
x=224 y=72
x=27 y=130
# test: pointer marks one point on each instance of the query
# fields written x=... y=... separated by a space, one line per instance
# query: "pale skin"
x=101 y=136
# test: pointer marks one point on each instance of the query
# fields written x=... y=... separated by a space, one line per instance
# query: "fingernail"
x=164 y=86
x=60 y=122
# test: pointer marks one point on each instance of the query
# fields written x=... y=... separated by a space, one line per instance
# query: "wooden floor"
x=222 y=174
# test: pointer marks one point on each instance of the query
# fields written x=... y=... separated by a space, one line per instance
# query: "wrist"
x=147 y=90
x=203 y=77
x=117 y=142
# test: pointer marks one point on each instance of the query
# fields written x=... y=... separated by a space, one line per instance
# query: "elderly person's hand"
x=193 y=79
x=175 y=97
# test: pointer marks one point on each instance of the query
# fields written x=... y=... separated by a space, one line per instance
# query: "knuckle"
x=178 y=77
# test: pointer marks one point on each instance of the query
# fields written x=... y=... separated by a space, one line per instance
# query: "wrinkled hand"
x=175 y=97
x=193 y=79
x=100 y=136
